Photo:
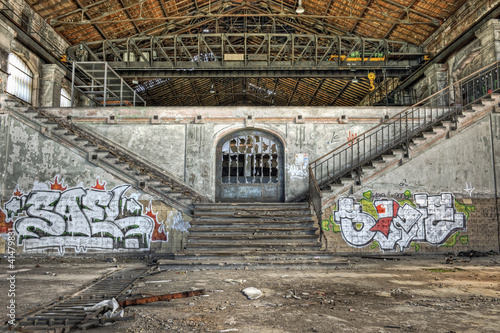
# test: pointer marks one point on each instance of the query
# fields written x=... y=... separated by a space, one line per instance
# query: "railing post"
x=105 y=82
x=73 y=84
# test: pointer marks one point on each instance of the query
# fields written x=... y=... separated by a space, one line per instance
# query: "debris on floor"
x=166 y=297
x=252 y=293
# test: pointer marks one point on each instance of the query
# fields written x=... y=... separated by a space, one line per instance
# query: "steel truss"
x=279 y=55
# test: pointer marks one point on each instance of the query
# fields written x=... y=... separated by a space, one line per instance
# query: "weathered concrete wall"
x=188 y=149
x=458 y=24
x=91 y=209
x=482 y=51
x=456 y=181
x=455 y=185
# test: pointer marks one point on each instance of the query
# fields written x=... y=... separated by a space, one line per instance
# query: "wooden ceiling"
x=412 y=21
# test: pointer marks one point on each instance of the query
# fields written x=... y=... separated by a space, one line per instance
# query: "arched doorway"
x=250 y=167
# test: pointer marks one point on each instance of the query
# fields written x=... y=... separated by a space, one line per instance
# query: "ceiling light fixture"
x=355 y=80
x=299 y=9
x=212 y=90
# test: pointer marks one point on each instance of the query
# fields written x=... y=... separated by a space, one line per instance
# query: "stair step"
x=256 y=255
x=246 y=228
x=257 y=262
x=237 y=226
x=439 y=128
x=253 y=246
x=251 y=206
x=389 y=157
x=243 y=214
x=238 y=239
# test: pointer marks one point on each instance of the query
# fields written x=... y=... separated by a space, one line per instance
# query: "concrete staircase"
x=108 y=155
x=396 y=157
x=254 y=235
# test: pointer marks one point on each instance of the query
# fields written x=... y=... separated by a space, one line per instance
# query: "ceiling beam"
x=103 y=34
x=399 y=18
x=316 y=92
x=130 y=16
x=361 y=15
x=293 y=92
x=341 y=91
x=162 y=5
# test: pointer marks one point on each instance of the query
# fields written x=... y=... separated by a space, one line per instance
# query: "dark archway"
x=250 y=167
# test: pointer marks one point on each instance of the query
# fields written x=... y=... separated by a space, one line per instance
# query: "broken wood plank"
x=166 y=297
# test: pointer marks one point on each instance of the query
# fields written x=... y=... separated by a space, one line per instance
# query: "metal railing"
x=398 y=131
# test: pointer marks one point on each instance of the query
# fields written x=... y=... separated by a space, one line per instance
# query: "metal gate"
x=250 y=167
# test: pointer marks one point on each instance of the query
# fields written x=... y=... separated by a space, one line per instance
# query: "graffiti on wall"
x=174 y=221
x=389 y=224
x=353 y=137
x=58 y=217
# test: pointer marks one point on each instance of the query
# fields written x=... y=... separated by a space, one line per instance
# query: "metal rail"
x=230 y=51
x=102 y=85
x=67 y=312
x=399 y=130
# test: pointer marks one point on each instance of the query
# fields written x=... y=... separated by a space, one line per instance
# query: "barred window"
x=20 y=81
x=65 y=98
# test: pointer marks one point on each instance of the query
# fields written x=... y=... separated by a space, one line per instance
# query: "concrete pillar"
x=437 y=79
x=6 y=36
x=52 y=78
x=489 y=34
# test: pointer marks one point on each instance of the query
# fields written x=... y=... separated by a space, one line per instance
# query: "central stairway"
x=255 y=235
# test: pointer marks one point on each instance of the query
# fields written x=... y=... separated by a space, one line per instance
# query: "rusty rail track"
x=67 y=313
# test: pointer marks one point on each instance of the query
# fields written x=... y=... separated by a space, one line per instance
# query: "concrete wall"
x=458 y=175
x=187 y=149
x=455 y=184
x=458 y=24
x=37 y=171
x=483 y=50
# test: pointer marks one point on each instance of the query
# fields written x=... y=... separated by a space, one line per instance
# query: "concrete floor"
x=400 y=294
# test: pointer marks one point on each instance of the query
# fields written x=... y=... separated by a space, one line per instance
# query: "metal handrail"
x=400 y=129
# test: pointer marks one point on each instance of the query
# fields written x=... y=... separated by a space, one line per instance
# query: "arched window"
x=65 y=98
x=20 y=81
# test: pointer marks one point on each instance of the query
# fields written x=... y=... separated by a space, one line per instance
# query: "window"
x=25 y=22
x=20 y=81
x=65 y=98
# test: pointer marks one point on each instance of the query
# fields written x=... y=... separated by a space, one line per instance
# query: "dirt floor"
x=410 y=294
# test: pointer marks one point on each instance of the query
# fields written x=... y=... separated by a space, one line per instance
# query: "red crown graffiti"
x=56 y=185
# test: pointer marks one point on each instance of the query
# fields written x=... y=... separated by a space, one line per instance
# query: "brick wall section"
x=458 y=23
x=481 y=235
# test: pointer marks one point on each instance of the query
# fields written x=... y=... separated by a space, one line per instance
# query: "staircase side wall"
x=91 y=210
x=444 y=200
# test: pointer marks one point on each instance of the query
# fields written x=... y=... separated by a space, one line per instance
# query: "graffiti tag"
x=468 y=188
x=433 y=219
x=297 y=171
x=334 y=138
x=353 y=138
x=79 y=218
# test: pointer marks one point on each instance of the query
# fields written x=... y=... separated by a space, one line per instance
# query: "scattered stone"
x=252 y=293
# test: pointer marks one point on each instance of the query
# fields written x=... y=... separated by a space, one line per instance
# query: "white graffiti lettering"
x=81 y=219
x=432 y=220
x=297 y=171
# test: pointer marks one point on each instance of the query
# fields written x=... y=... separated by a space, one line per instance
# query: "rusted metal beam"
x=399 y=18
x=103 y=34
x=130 y=16
x=361 y=15
x=166 y=297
